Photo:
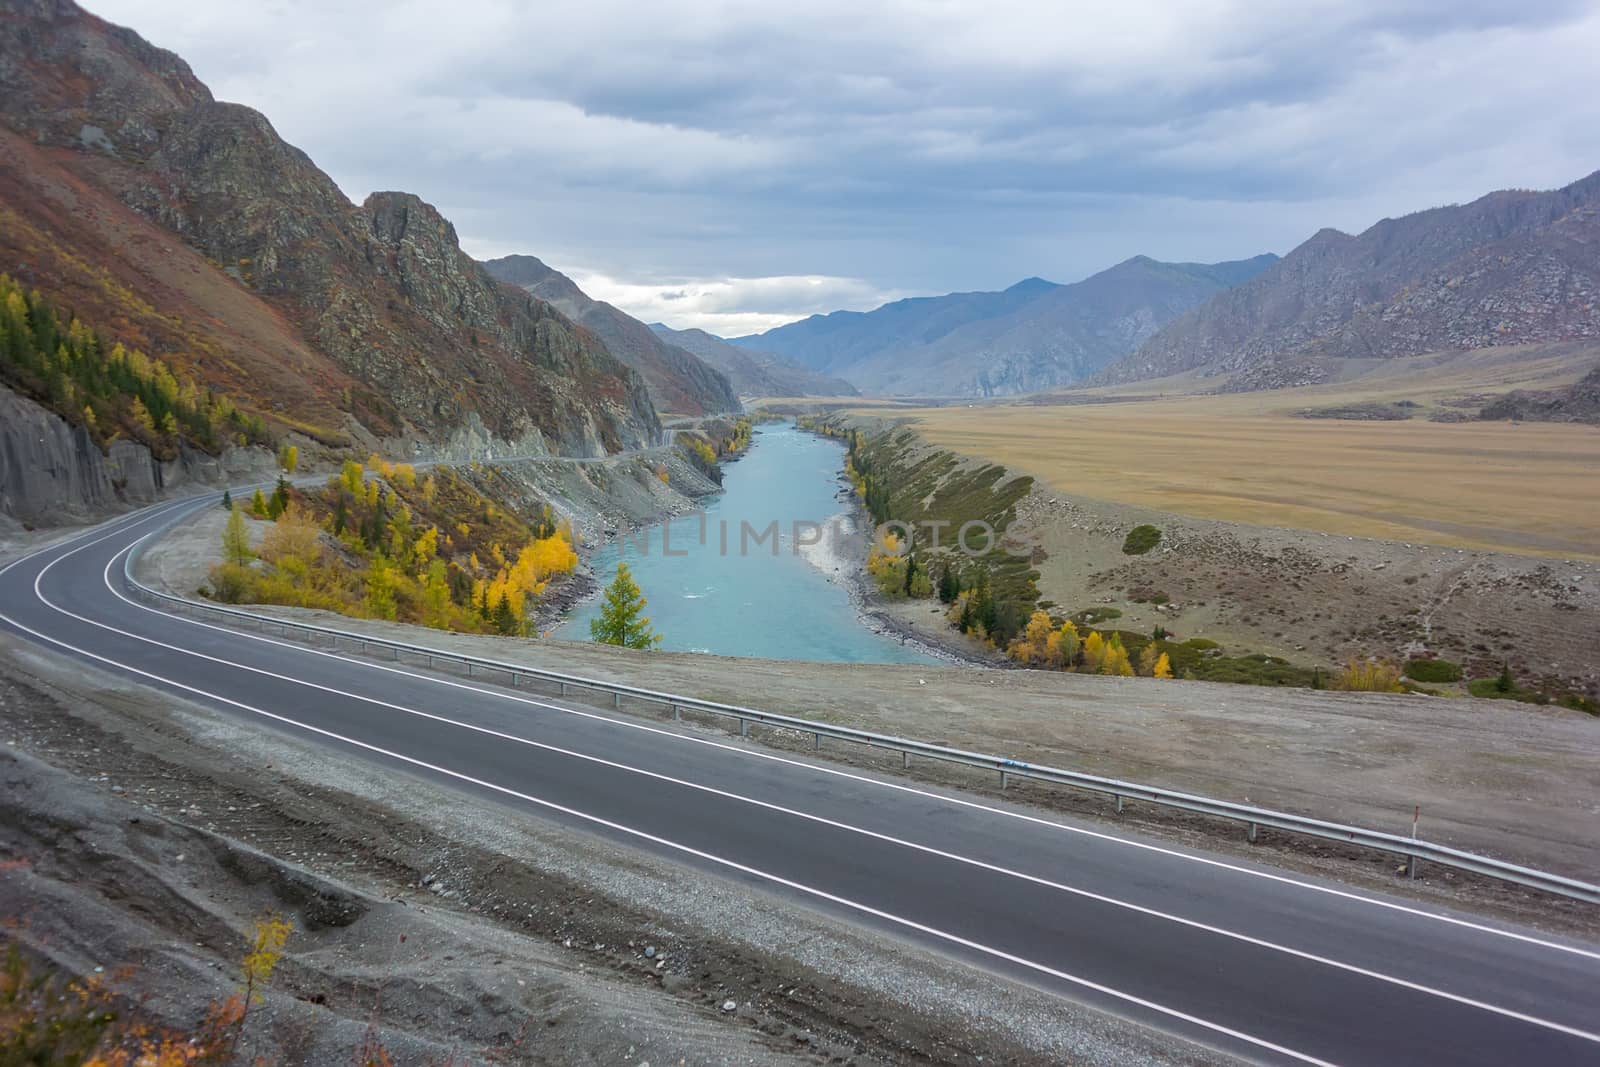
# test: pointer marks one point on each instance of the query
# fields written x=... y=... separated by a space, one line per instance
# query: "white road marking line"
x=912 y=790
x=821 y=820
x=734 y=865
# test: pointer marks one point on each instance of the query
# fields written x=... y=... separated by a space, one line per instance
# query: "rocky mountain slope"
x=754 y=373
x=1578 y=402
x=188 y=227
x=679 y=381
x=1035 y=335
x=1513 y=267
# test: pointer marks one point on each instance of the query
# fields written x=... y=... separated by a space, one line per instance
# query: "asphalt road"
x=1261 y=963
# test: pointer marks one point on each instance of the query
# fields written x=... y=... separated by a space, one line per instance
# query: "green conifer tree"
x=621 y=620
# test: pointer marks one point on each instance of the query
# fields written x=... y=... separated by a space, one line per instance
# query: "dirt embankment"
x=139 y=830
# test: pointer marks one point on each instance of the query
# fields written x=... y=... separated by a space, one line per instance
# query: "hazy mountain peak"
x=1034 y=335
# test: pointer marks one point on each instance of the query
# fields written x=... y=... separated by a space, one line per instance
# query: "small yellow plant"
x=1370 y=676
x=266 y=950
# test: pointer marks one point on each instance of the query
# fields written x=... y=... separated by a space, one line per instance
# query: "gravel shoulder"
x=144 y=831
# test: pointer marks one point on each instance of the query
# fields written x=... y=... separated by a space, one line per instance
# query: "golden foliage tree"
x=1094 y=652
x=1115 y=661
x=236 y=540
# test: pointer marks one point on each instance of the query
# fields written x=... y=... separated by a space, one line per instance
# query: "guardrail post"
x=816 y=742
x=905 y=759
x=744 y=727
x=563 y=688
x=1411 y=867
x=677 y=713
x=1119 y=803
x=1250 y=834
x=1005 y=779
x=469 y=668
x=616 y=700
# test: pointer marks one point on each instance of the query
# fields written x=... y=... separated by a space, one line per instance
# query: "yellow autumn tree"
x=1032 y=647
x=294 y=535
x=1094 y=652
x=1063 y=646
x=1163 y=667
x=426 y=546
x=351 y=476
x=1116 y=658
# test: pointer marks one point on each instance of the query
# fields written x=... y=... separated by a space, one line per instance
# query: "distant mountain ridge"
x=754 y=373
x=187 y=227
x=841 y=339
x=1035 y=335
x=1512 y=267
x=679 y=381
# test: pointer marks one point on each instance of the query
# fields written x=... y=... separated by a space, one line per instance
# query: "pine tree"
x=505 y=619
x=620 y=621
x=1505 y=683
x=280 y=499
x=258 y=504
x=227 y=500
x=1163 y=667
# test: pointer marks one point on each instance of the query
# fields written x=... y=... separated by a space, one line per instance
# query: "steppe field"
x=1531 y=488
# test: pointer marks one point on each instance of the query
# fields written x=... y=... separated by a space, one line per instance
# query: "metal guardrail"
x=1415 y=850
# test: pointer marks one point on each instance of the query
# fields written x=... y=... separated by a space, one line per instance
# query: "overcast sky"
x=737 y=165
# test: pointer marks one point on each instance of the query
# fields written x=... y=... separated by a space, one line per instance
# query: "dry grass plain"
x=1172 y=445
x=1529 y=488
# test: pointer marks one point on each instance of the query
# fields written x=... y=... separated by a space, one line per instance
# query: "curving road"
x=1263 y=964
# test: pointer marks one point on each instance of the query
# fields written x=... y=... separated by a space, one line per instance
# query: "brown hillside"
x=293 y=294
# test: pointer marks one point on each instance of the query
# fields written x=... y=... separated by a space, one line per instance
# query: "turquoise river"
x=742 y=599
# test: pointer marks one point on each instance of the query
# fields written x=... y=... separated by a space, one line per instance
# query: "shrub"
x=1370 y=676
x=1091 y=616
x=1141 y=539
x=1433 y=670
x=1490 y=689
x=1202 y=644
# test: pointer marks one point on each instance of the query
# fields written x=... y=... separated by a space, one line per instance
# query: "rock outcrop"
x=52 y=472
x=1579 y=402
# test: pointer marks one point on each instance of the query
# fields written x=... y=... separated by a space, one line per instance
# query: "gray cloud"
x=724 y=150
